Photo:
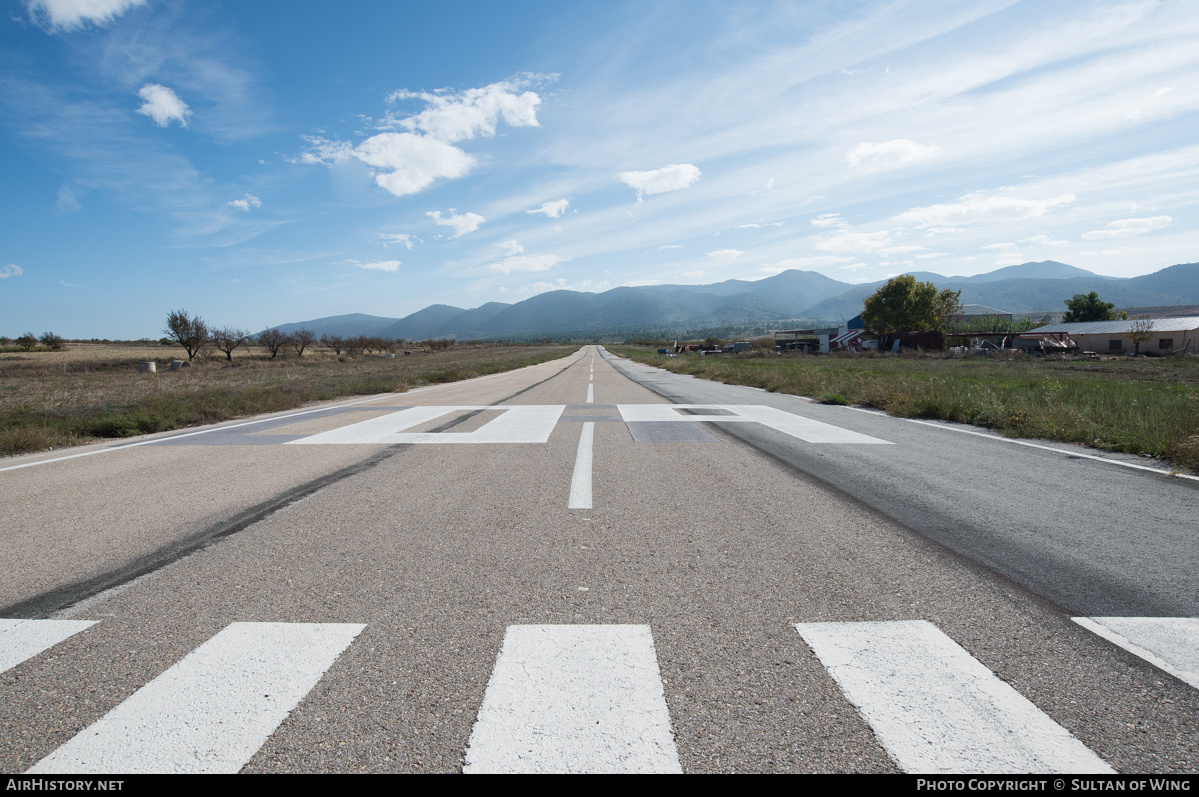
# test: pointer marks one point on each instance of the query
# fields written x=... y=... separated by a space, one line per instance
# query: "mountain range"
x=739 y=306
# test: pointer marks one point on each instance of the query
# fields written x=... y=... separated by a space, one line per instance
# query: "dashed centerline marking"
x=24 y=639
x=212 y=711
x=580 y=482
x=937 y=709
x=574 y=698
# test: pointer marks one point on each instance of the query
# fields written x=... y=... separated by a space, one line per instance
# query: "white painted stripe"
x=574 y=698
x=580 y=482
x=1169 y=643
x=1013 y=441
x=24 y=639
x=212 y=711
x=937 y=709
x=591 y=378
x=590 y=394
x=523 y=423
x=806 y=429
x=205 y=431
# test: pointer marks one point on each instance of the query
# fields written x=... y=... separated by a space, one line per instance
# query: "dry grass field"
x=89 y=391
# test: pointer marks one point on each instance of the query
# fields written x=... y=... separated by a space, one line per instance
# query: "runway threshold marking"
x=528 y=423
x=798 y=426
x=210 y=712
x=937 y=709
x=580 y=482
x=1169 y=643
x=574 y=698
x=24 y=639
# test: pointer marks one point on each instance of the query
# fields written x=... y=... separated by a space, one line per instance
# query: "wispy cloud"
x=163 y=105
x=406 y=240
x=674 y=177
x=856 y=242
x=462 y=224
x=378 y=265
x=551 y=210
x=1129 y=228
x=533 y=288
x=518 y=263
x=982 y=207
x=11 y=270
x=883 y=156
x=245 y=203
x=511 y=247
x=725 y=254
x=69 y=15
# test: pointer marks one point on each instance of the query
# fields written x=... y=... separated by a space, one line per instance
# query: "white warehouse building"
x=1166 y=335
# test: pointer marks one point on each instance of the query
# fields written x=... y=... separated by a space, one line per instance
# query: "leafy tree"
x=27 y=341
x=189 y=332
x=229 y=338
x=273 y=340
x=1088 y=308
x=302 y=339
x=52 y=341
x=905 y=304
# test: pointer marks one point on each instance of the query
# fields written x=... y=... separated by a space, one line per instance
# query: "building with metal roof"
x=1166 y=335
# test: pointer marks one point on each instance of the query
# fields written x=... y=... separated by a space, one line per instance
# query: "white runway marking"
x=517 y=424
x=212 y=711
x=574 y=698
x=591 y=394
x=1079 y=454
x=24 y=639
x=1170 y=643
x=794 y=425
x=580 y=482
x=937 y=709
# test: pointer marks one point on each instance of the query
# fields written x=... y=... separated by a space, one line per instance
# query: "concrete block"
x=147 y=368
x=177 y=364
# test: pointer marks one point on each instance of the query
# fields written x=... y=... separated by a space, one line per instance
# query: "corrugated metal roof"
x=1189 y=324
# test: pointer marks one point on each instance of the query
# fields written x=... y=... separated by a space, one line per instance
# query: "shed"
x=1166 y=335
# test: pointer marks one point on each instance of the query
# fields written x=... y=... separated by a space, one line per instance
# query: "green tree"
x=905 y=304
x=1088 y=308
x=52 y=341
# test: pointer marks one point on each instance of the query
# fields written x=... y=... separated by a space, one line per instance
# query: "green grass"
x=1146 y=406
x=46 y=406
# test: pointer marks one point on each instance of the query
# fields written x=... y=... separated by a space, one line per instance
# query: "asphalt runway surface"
x=593 y=565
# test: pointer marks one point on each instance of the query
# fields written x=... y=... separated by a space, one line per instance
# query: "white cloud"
x=855 y=266
x=586 y=286
x=856 y=242
x=658 y=181
x=398 y=238
x=408 y=162
x=725 y=254
x=693 y=275
x=829 y=220
x=803 y=263
x=455 y=116
x=67 y=201
x=378 y=265
x=882 y=156
x=519 y=263
x=901 y=250
x=669 y=246
x=754 y=226
x=1128 y=228
x=73 y=14
x=244 y=204
x=551 y=210
x=930 y=255
x=11 y=270
x=163 y=105
x=980 y=207
x=1003 y=247
x=511 y=247
x=1044 y=240
x=464 y=224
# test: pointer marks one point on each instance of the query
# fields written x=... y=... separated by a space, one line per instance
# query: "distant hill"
x=732 y=305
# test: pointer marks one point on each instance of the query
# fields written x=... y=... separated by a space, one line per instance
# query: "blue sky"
x=262 y=163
